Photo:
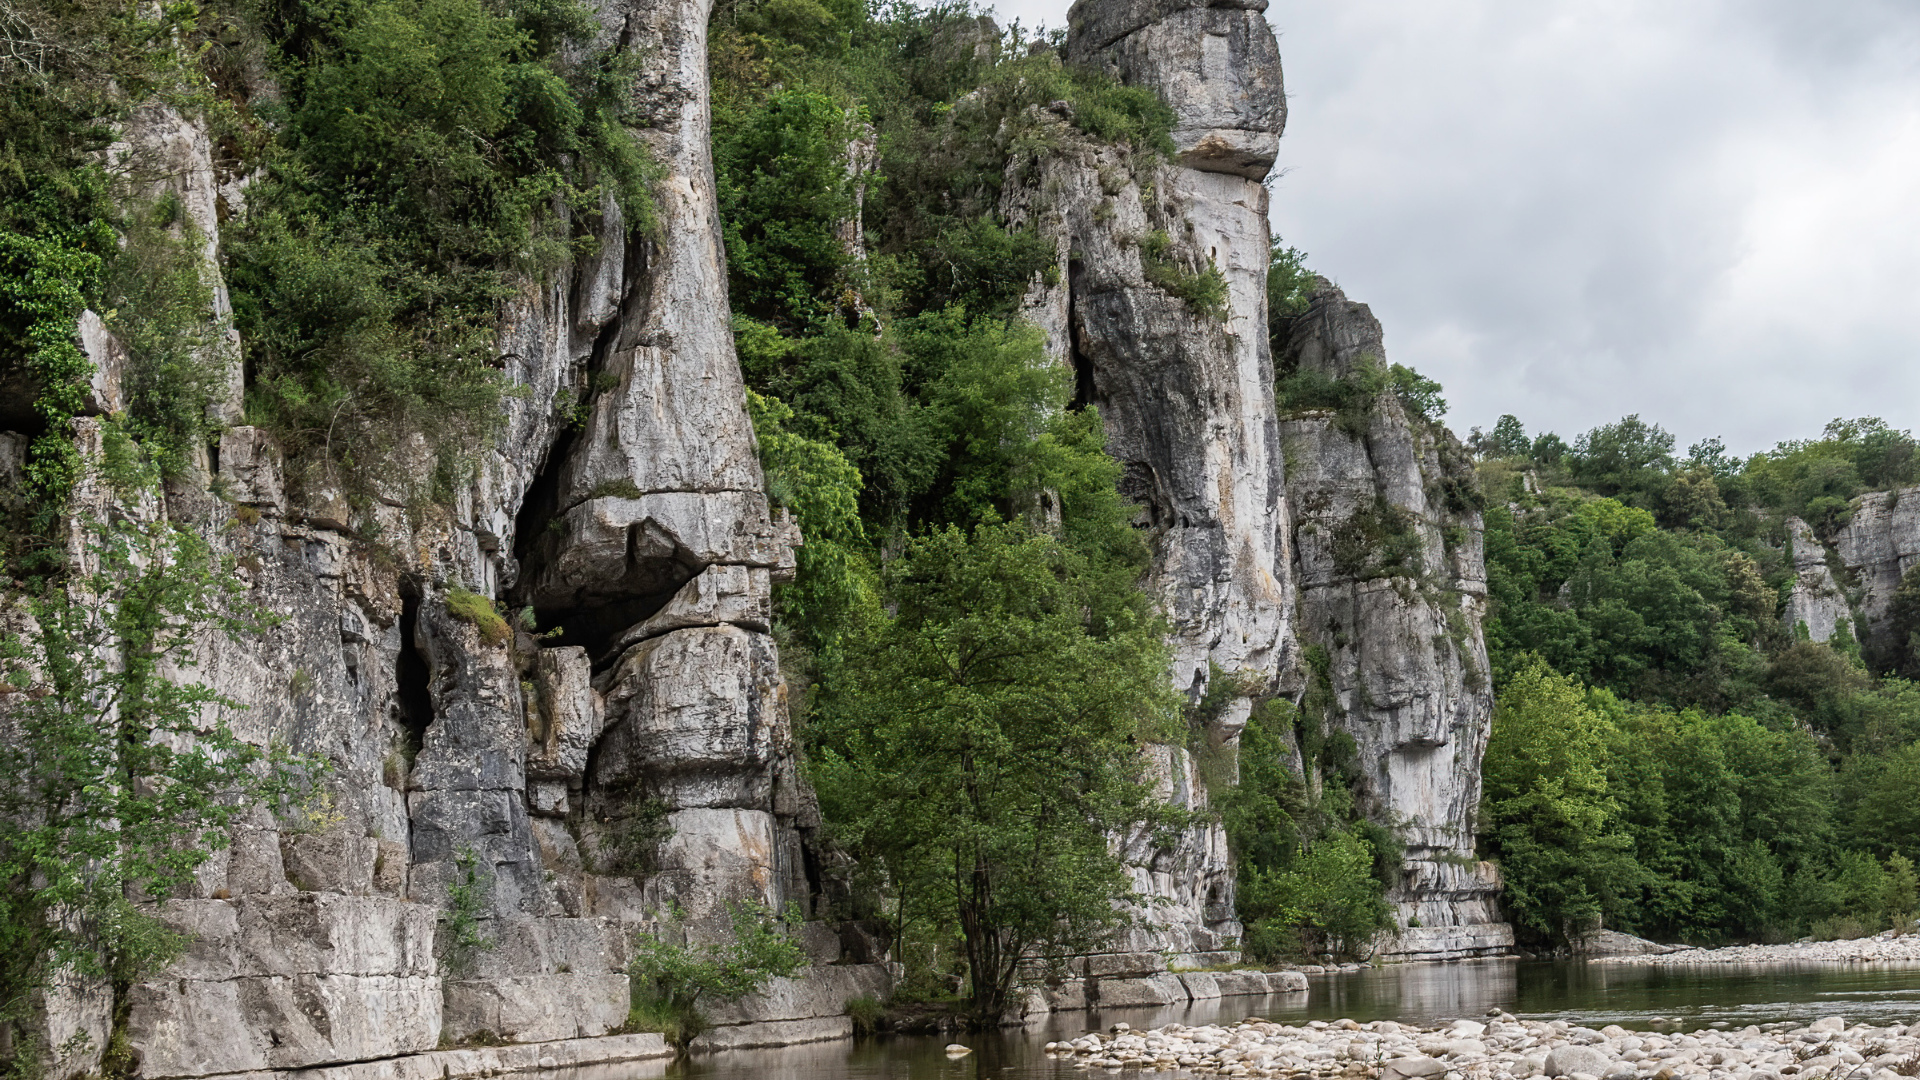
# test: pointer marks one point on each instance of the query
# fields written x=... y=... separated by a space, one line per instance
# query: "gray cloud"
x=1707 y=213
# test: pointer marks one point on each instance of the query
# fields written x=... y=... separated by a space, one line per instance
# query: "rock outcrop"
x=1389 y=564
x=1817 y=606
x=1269 y=535
x=581 y=787
x=1848 y=582
x=568 y=792
x=1186 y=393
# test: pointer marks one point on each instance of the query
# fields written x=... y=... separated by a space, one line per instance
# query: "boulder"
x=1571 y=1059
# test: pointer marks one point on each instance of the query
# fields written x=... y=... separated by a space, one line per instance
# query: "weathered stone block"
x=1163 y=989
x=537 y=1008
x=700 y=713
x=774 y=1033
x=567 y=715
x=815 y=992
x=250 y=468
x=331 y=861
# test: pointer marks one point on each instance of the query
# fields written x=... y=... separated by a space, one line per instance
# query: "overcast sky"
x=1706 y=212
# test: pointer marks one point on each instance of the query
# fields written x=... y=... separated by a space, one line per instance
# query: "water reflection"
x=1634 y=996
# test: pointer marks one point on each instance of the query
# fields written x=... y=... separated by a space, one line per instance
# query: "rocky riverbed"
x=1504 y=1047
x=1888 y=947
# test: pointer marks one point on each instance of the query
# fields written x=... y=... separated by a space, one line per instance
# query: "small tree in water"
x=118 y=777
x=987 y=745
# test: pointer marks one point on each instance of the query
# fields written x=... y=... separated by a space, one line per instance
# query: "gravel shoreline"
x=1503 y=1047
x=1883 y=948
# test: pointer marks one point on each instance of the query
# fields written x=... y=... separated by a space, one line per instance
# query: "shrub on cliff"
x=119 y=776
x=670 y=975
x=1546 y=815
x=422 y=154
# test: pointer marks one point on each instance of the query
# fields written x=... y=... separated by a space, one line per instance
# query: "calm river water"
x=1632 y=996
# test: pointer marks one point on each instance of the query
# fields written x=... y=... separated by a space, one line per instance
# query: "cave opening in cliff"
x=412 y=678
x=1082 y=363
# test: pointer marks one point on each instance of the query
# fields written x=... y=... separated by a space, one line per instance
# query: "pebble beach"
x=1502 y=1047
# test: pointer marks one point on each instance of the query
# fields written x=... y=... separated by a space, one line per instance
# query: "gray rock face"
x=464 y=753
x=1817 y=604
x=1392 y=592
x=1216 y=64
x=1186 y=395
x=1877 y=547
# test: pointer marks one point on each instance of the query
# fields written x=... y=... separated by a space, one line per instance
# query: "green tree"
x=785 y=196
x=984 y=744
x=1886 y=814
x=1546 y=814
x=121 y=777
x=1628 y=459
x=822 y=488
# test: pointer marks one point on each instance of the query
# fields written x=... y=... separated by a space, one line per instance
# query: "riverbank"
x=1504 y=1048
x=1887 y=947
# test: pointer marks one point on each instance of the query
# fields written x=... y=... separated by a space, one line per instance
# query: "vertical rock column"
x=1186 y=394
x=1392 y=583
x=656 y=550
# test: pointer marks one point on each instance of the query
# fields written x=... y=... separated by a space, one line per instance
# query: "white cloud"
x=1707 y=213
x=1703 y=213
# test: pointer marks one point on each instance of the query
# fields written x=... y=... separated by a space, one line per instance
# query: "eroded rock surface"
x=566 y=793
x=1392 y=593
x=482 y=766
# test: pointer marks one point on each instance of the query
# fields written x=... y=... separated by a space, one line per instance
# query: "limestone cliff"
x=1391 y=574
x=639 y=526
x=1850 y=580
x=1241 y=505
x=622 y=502
x=1186 y=394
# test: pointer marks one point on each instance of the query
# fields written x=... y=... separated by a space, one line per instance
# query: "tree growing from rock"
x=119 y=776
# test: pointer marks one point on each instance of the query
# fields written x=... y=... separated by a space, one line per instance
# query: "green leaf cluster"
x=670 y=978
x=424 y=151
x=1311 y=872
x=985 y=744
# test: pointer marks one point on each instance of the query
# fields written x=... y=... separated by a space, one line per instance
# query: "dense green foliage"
x=1311 y=872
x=1668 y=757
x=982 y=667
x=421 y=150
x=985 y=744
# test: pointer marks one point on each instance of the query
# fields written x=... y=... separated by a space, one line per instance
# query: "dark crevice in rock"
x=543 y=500
x=412 y=677
x=601 y=628
x=1083 y=389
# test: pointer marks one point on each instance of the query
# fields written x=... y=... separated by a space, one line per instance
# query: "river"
x=1633 y=996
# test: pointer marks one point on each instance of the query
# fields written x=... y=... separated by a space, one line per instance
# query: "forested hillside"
x=1672 y=751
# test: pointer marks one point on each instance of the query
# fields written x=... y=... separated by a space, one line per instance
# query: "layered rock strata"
x=580 y=787
x=1390 y=568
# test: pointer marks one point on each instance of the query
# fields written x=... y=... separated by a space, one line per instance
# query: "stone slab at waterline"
x=1502 y=1048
